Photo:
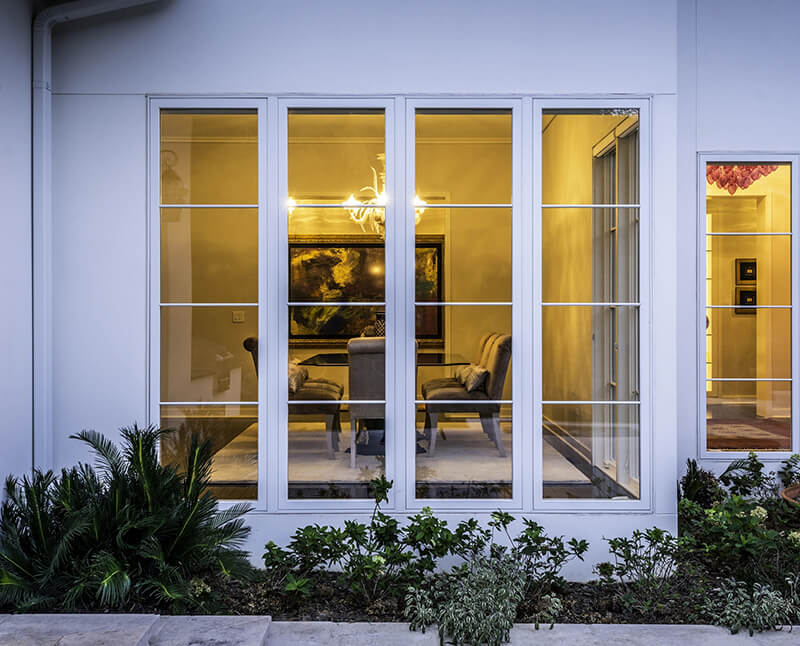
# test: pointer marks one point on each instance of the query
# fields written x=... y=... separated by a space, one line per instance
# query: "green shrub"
x=734 y=540
x=475 y=604
x=700 y=486
x=738 y=605
x=541 y=557
x=644 y=571
x=131 y=530
x=377 y=560
x=789 y=471
x=746 y=478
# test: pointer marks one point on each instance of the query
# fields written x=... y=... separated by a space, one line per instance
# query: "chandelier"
x=370 y=214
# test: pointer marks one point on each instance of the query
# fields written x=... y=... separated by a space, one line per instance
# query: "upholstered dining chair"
x=495 y=357
x=316 y=389
x=366 y=357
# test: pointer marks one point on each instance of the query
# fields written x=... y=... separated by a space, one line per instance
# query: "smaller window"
x=747 y=323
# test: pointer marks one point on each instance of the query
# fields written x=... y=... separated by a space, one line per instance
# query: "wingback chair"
x=495 y=356
x=367 y=379
x=312 y=390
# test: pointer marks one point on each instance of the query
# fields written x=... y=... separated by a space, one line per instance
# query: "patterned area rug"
x=749 y=434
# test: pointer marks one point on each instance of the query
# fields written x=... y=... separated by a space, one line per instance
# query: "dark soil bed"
x=330 y=601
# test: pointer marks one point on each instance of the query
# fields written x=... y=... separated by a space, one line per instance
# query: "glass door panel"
x=463 y=304
x=336 y=308
x=209 y=291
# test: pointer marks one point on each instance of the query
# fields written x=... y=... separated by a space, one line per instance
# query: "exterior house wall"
x=104 y=69
x=735 y=95
x=16 y=403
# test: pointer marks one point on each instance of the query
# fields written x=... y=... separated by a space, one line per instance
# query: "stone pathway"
x=152 y=630
x=131 y=630
x=285 y=633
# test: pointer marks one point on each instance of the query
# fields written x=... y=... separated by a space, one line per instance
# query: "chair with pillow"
x=303 y=388
x=472 y=384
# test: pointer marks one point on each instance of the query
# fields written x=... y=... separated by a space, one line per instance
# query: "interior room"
x=748 y=307
x=339 y=291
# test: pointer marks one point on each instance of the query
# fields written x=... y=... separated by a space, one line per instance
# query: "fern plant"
x=130 y=529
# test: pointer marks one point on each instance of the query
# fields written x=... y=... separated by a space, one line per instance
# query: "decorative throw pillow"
x=472 y=377
x=297 y=376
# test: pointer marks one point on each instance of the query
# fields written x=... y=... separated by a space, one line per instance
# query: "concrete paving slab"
x=77 y=630
x=287 y=633
x=297 y=633
x=211 y=631
x=644 y=635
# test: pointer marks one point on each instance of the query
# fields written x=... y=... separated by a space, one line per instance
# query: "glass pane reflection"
x=590 y=451
x=233 y=433
x=209 y=157
x=464 y=451
x=749 y=416
x=321 y=436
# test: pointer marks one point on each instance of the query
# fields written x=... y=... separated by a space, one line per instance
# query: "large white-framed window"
x=207 y=197
x=463 y=160
x=390 y=242
x=337 y=315
x=591 y=299
x=747 y=327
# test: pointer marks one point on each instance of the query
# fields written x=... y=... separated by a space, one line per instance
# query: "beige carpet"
x=466 y=455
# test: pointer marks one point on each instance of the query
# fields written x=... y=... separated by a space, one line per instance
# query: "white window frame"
x=646 y=425
x=519 y=329
x=755 y=158
x=278 y=336
x=156 y=104
x=400 y=408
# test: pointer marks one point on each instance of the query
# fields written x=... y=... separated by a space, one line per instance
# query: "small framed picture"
x=746 y=271
x=746 y=297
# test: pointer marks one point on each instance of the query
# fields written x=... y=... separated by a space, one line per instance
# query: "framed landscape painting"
x=351 y=269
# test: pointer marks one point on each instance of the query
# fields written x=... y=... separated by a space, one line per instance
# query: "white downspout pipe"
x=42 y=123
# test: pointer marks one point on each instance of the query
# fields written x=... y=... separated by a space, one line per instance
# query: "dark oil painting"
x=354 y=272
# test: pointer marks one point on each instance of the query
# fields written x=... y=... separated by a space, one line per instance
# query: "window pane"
x=590 y=156
x=749 y=198
x=463 y=156
x=590 y=255
x=464 y=451
x=321 y=437
x=335 y=154
x=209 y=255
x=749 y=270
x=590 y=451
x=233 y=433
x=203 y=358
x=750 y=343
x=477 y=334
x=464 y=255
x=590 y=353
x=749 y=416
x=209 y=157
x=354 y=370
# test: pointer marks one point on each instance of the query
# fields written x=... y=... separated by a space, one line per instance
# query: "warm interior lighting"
x=370 y=214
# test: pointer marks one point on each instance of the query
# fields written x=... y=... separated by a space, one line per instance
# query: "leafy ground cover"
x=133 y=535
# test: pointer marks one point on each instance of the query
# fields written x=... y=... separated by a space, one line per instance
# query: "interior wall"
x=16 y=398
x=567 y=242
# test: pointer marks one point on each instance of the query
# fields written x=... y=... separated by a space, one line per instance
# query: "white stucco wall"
x=15 y=239
x=738 y=67
x=104 y=68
